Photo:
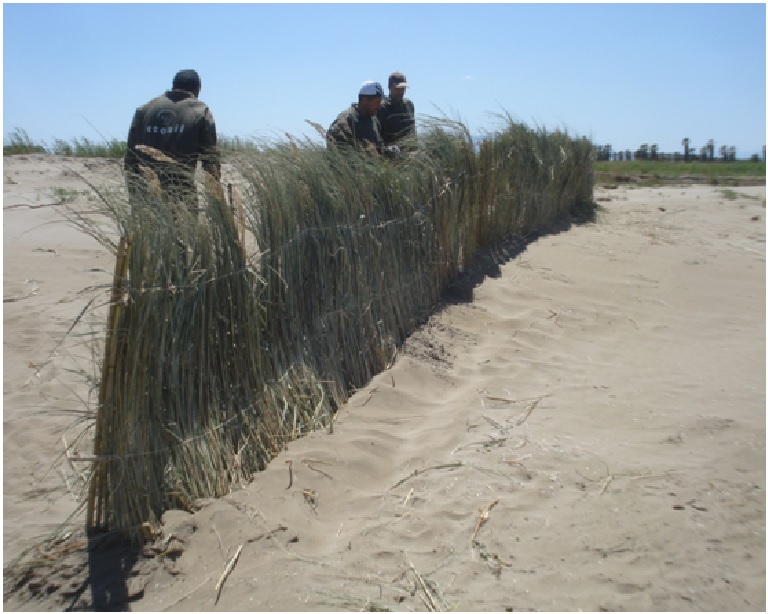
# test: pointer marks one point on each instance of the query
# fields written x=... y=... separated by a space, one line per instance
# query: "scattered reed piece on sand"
x=407 y=497
x=420 y=471
x=432 y=601
x=186 y=595
x=608 y=480
x=309 y=462
x=484 y=513
x=370 y=395
x=665 y=474
x=310 y=496
x=528 y=411
x=509 y=400
x=227 y=570
x=517 y=461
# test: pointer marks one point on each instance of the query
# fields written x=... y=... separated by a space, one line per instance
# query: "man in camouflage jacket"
x=357 y=127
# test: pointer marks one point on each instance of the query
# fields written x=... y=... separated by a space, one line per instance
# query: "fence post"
x=99 y=482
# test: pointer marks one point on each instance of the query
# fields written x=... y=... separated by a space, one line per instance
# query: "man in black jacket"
x=397 y=114
x=168 y=136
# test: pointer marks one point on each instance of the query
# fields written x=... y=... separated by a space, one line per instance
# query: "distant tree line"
x=18 y=142
x=706 y=153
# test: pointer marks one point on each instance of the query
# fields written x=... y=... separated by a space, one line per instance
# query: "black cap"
x=187 y=80
x=397 y=79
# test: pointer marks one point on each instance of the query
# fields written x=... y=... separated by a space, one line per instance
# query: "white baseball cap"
x=371 y=88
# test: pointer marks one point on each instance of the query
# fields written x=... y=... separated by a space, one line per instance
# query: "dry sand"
x=580 y=427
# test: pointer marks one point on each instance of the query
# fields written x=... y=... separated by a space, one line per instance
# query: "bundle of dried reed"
x=218 y=357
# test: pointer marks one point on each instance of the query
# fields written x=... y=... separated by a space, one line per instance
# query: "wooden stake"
x=98 y=488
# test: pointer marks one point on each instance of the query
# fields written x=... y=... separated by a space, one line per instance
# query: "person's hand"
x=392 y=151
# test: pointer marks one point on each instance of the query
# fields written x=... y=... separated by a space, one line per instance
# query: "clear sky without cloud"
x=619 y=74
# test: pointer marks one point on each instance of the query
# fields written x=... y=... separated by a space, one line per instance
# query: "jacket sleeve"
x=378 y=141
x=210 y=156
x=131 y=161
x=384 y=112
x=341 y=132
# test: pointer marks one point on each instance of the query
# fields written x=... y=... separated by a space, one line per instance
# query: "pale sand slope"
x=47 y=265
x=636 y=483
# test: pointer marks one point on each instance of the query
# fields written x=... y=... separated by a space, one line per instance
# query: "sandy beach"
x=580 y=426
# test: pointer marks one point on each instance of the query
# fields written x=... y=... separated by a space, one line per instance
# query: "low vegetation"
x=650 y=172
x=19 y=142
x=641 y=172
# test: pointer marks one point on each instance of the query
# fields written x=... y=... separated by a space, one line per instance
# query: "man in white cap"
x=358 y=126
x=397 y=114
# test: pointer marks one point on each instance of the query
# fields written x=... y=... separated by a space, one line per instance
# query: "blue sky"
x=624 y=74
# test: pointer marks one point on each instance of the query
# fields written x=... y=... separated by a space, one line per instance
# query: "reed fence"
x=236 y=330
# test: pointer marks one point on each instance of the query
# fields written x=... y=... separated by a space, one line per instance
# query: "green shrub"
x=20 y=143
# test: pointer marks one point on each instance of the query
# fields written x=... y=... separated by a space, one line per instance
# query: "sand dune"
x=581 y=426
